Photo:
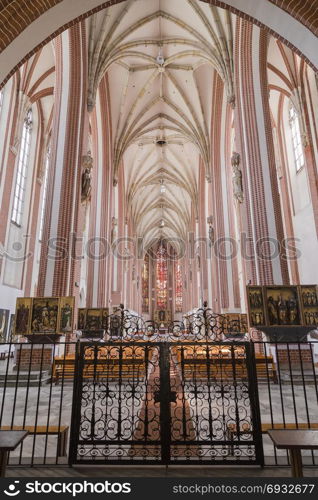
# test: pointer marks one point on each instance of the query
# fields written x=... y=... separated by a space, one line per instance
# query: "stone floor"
x=51 y=404
x=181 y=472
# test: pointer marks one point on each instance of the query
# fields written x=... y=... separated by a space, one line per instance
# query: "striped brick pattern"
x=16 y=15
x=253 y=154
x=9 y=28
x=305 y=11
x=271 y=156
x=218 y=89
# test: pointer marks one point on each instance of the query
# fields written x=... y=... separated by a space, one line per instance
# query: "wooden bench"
x=103 y=367
x=265 y=427
x=52 y=430
x=9 y=441
x=197 y=362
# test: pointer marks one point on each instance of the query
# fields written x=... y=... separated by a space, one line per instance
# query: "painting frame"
x=91 y=324
x=256 y=306
x=309 y=304
x=23 y=316
x=81 y=318
x=66 y=315
x=4 y=325
x=283 y=306
x=45 y=316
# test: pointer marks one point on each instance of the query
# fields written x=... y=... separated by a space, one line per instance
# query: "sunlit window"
x=178 y=286
x=44 y=192
x=1 y=100
x=20 y=184
x=162 y=277
x=296 y=138
x=145 y=285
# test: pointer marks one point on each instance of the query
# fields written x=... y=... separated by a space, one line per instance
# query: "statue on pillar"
x=237 y=178
x=87 y=177
x=211 y=230
x=114 y=229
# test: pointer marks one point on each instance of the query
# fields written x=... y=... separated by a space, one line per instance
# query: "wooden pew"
x=131 y=365
x=266 y=426
x=52 y=430
x=218 y=363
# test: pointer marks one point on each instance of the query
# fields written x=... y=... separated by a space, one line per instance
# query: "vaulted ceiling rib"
x=160 y=57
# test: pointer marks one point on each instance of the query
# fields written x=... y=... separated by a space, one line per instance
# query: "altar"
x=163 y=318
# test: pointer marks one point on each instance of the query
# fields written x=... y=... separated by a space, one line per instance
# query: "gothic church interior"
x=158 y=180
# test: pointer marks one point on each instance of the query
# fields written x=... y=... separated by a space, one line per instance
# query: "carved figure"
x=114 y=229
x=87 y=177
x=272 y=311
x=237 y=178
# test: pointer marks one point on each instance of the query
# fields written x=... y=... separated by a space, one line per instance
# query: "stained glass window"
x=145 y=285
x=162 y=277
x=178 y=287
x=20 y=183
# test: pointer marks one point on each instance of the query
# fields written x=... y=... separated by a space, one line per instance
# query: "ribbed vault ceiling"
x=160 y=56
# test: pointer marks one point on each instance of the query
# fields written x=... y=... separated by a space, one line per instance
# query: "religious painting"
x=93 y=319
x=81 y=319
x=66 y=314
x=243 y=323
x=23 y=315
x=11 y=328
x=232 y=324
x=115 y=329
x=282 y=305
x=105 y=315
x=309 y=301
x=256 y=306
x=45 y=315
x=4 y=324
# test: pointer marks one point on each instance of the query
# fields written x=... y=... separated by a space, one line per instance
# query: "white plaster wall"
x=5 y=124
x=59 y=159
x=9 y=296
x=303 y=220
x=17 y=236
x=99 y=173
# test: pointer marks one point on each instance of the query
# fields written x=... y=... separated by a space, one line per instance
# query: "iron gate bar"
x=165 y=398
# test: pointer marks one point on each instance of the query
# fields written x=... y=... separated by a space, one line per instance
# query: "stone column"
x=260 y=211
x=64 y=218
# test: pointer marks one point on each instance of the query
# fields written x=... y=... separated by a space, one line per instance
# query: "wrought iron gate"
x=166 y=403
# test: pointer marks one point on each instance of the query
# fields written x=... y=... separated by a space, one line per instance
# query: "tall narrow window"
x=44 y=194
x=1 y=100
x=145 y=285
x=178 y=287
x=162 y=277
x=296 y=138
x=20 y=185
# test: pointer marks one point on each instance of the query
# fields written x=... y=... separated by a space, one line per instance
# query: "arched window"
x=44 y=191
x=20 y=184
x=162 y=277
x=178 y=287
x=296 y=138
x=145 y=285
